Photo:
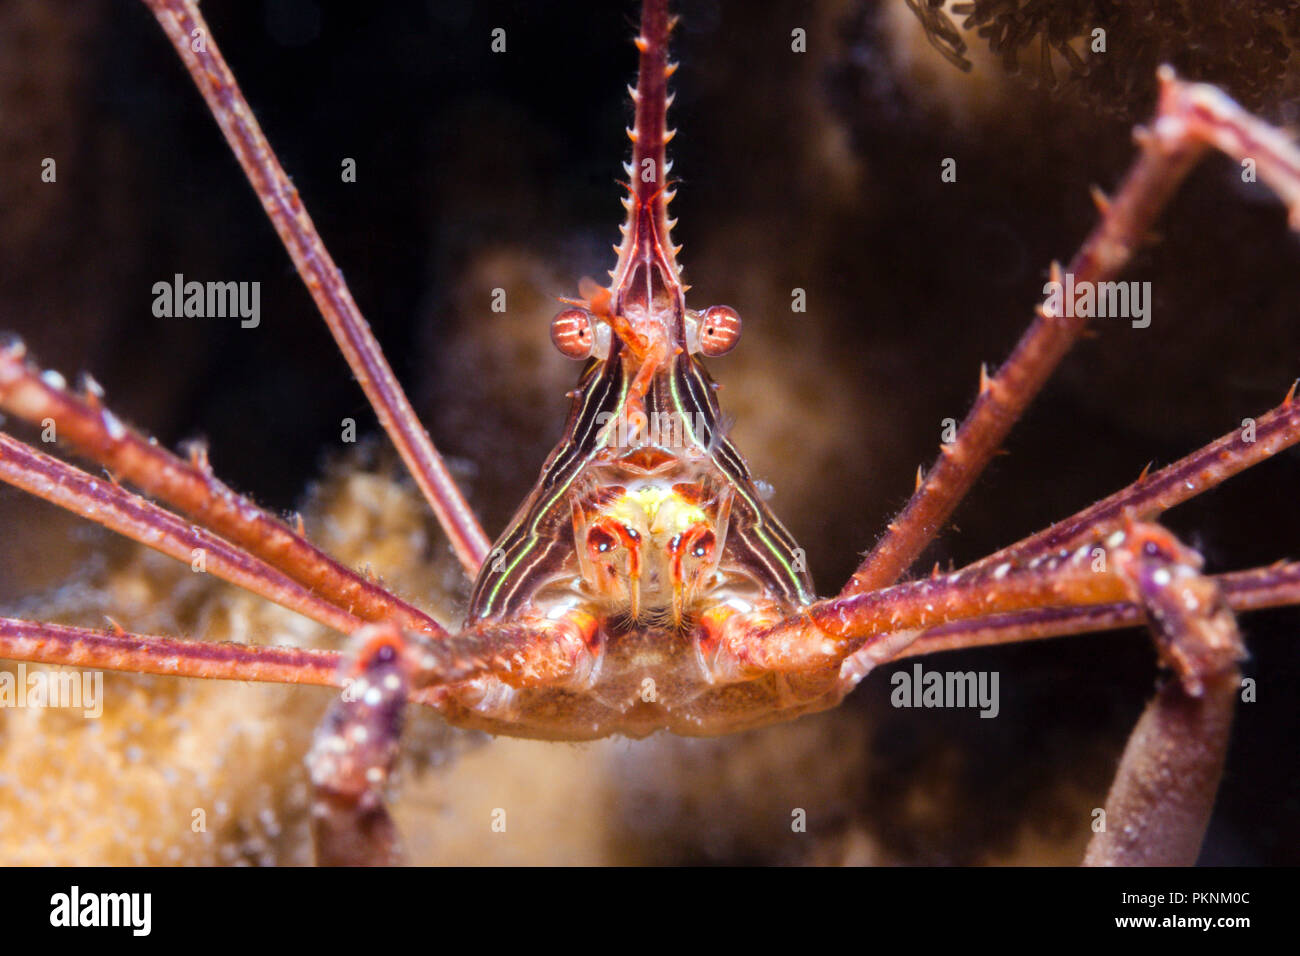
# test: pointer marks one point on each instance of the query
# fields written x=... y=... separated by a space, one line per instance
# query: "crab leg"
x=1275 y=585
x=1272 y=586
x=182 y=22
x=353 y=755
x=106 y=503
x=171 y=656
x=192 y=488
x=877 y=626
x=357 y=744
x=538 y=652
x=1190 y=119
x=1152 y=494
x=997 y=603
x=1160 y=801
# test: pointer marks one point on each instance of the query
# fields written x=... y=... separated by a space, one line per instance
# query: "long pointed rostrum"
x=182 y=22
x=647 y=231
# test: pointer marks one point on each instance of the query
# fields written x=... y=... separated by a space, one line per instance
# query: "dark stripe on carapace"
x=539 y=537
x=754 y=537
x=539 y=540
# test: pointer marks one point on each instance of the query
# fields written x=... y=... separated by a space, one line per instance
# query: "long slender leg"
x=1146 y=498
x=1162 y=796
x=192 y=488
x=119 y=650
x=356 y=745
x=878 y=625
x=355 y=748
x=1190 y=118
x=108 y=504
x=353 y=755
x=1275 y=585
x=540 y=651
x=962 y=609
x=181 y=21
x=1160 y=801
x=1155 y=493
x=1150 y=495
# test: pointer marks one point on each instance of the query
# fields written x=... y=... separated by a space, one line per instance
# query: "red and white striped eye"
x=719 y=330
x=573 y=334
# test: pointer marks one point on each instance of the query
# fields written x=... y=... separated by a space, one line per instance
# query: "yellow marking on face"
x=656 y=509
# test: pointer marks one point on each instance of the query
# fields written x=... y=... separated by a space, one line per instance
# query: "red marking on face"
x=606 y=535
x=648 y=460
x=696 y=543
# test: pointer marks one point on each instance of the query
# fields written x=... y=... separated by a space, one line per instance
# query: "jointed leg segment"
x=1275 y=585
x=1190 y=118
x=113 y=507
x=1090 y=588
x=1154 y=493
x=356 y=746
x=182 y=22
x=192 y=488
x=1159 y=804
x=119 y=650
x=354 y=753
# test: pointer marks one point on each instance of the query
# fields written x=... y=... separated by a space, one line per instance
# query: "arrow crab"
x=645 y=584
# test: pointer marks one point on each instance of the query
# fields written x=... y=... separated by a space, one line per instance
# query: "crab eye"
x=719 y=330
x=572 y=333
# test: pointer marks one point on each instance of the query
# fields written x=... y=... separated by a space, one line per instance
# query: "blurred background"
x=478 y=170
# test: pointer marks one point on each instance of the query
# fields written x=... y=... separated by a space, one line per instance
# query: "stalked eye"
x=719 y=330
x=572 y=333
